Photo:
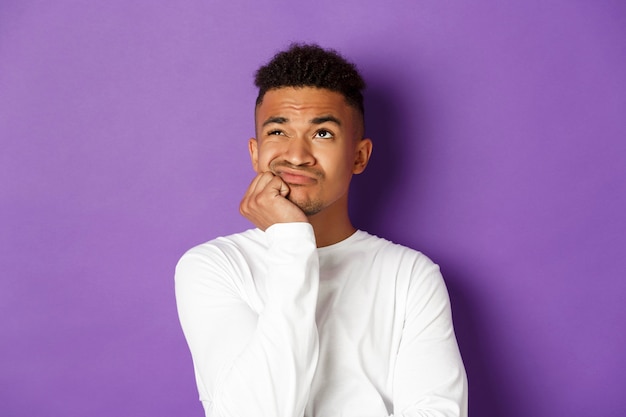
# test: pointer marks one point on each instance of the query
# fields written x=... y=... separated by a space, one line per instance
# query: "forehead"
x=305 y=100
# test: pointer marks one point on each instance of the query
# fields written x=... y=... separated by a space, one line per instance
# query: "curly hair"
x=309 y=65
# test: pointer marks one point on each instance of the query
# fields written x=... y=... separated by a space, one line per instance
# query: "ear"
x=254 y=153
x=362 y=155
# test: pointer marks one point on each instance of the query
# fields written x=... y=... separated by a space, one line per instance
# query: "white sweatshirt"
x=280 y=328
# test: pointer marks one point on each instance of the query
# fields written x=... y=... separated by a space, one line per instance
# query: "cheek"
x=266 y=156
x=339 y=168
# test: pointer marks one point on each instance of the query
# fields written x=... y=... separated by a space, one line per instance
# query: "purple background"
x=500 y=151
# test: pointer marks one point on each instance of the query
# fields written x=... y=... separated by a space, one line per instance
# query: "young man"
x=305 y=315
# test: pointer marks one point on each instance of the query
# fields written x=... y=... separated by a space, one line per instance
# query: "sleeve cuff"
x=289 y=232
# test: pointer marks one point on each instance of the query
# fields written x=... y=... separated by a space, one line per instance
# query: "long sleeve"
x=430 y=379
x=251 y=330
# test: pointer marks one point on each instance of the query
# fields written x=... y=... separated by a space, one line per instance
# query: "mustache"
x=311 y=171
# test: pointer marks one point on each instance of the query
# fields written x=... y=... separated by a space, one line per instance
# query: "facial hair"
x=308 y=206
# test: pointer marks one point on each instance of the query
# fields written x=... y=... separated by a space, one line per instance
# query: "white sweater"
x=280 y=328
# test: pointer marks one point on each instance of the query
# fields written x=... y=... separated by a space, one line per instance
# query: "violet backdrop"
x=500 y=152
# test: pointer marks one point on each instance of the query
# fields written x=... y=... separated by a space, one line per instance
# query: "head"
x=305 y=65
x=309 y=126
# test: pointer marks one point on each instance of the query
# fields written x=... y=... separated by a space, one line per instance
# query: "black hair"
x=309 y=65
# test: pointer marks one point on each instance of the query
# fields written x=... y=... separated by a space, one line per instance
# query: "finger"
x=250 y=192
x=280 y=186
x=254 y=187
x=270 y=185
x=262 y=188
x=261 y=181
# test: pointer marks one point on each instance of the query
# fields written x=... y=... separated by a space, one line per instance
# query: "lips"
x=296 y=177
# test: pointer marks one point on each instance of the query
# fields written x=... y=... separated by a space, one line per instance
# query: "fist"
x=265 y=202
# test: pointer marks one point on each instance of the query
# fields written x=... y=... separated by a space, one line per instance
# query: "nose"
x=299 y=153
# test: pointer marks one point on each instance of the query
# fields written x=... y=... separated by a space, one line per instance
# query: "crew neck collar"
x=343 y=243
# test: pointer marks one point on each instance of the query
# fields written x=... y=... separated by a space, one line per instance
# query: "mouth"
x=295 y=177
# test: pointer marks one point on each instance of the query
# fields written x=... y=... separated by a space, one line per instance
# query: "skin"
x=309 y=142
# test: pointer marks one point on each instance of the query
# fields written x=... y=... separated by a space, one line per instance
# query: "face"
x=312 y=139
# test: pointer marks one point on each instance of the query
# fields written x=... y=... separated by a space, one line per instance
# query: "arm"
x=430 y=379
x=248 y=364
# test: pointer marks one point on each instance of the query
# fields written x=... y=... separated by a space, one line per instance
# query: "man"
x=305 y=315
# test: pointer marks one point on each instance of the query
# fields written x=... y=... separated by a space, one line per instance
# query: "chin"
x=309 y=207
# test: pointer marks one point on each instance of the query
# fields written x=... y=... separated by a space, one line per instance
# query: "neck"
x=332 y=225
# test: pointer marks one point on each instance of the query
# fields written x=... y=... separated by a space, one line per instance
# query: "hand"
x=265 y=202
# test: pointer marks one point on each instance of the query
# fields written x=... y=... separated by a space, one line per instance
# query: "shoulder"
x=395 y=252
x=240 y=253
x=418 y=279
x=243 y=241
x=223 y=255
x=413 y=271
x=250 y=245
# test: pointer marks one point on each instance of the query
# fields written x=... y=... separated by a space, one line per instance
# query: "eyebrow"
x=275 y=119
x=315 y=121
x=324 y=119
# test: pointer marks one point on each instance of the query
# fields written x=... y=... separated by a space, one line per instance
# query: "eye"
x=275 y=132
x=323 y=134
